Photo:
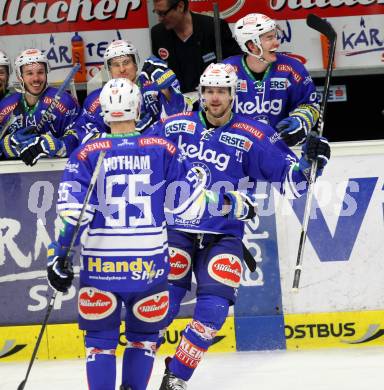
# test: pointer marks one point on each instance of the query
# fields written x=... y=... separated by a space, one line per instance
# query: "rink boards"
x=340 y=301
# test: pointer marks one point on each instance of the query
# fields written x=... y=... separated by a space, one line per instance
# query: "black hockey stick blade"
x=249 y=259
x=322 y=26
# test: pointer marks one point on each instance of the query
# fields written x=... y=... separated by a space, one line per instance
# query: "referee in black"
x=186 y=41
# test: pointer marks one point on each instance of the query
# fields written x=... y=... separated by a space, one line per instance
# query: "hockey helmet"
x=30 y=56
x=4 y=61
x=219 y=75
x=120 y=48
x=120 y=100
x=250 y=28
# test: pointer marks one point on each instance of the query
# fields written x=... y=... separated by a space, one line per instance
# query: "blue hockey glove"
x=8 y=148
x=314 y=148
x=157 y=71
x=59 y=269
x=293 y=130
x=23 y=136
x=45 y=145
x=243 y=206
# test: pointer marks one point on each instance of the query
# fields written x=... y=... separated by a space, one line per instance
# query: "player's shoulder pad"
x=63 y=105
x=293 y=67
x=255 y=129
x=91 y=102
x=233 y=60
x=157 y=142
x=8 y=104
x=178 y=116
x=83 y=152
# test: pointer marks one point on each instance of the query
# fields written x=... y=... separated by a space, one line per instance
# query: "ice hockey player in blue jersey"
x=273 y=88
x=21 y=113
x=124 y=253
x=158 y=85
x=236 y=153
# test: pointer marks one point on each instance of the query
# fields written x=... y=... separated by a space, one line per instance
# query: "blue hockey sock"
x=210 y=314
x=138 y=359
x=101 y=359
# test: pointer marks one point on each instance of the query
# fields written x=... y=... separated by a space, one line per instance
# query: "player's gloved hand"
x=157 y=71
x=315 y=148
x=59 y=269
x=22 y=136
x=8 y=148
x=45 y=145
x=293 y=130
x=243 y=206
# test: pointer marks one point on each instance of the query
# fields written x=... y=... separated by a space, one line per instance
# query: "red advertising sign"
x=39 y=17
x=232 y=10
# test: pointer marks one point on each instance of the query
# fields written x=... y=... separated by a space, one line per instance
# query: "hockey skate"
x=170 y=381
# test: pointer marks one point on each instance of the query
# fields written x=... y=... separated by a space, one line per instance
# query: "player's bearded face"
x=3 y=78
x=217 y=100
x=123 y=67
x=34 y=77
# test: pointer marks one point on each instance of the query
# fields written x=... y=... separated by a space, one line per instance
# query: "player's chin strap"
x=25 y=92
x=259 y=56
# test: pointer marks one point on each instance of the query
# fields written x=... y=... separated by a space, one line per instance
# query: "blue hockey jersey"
x=124 y=246
x=237 y=156
x=153 y=107
x=286 y=87
x=15 y=115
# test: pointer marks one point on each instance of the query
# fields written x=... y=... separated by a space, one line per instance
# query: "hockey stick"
x=216 y=22
x=323 y=27
x=67 y=262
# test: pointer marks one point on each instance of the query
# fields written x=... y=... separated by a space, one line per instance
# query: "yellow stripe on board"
x=66 y=341
x=334 y=330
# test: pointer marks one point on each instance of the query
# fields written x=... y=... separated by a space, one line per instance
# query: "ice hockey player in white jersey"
x=240 y=154
x=124 y=252
x=273 y=87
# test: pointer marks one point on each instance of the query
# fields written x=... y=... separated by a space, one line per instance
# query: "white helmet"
x=120 y=48
x=120 y=100
x=4 y=61
x=219 y=75
x=250 y=27
x=30 y=56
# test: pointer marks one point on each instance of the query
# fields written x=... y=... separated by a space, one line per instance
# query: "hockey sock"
x=210 y=314
x=176 y=295
x=101 y=359
x=138 y=359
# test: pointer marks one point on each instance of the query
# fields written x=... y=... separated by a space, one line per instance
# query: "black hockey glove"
x=157 y=71
x=59 y=269
x=243 y=206
x=314 y=148
x=45 y=145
